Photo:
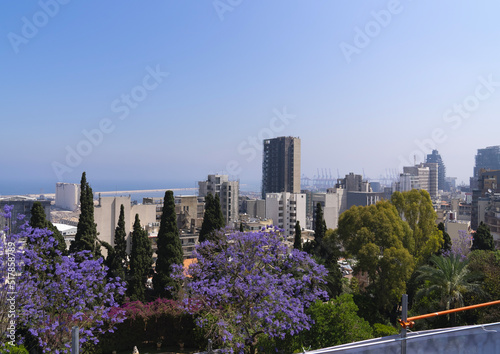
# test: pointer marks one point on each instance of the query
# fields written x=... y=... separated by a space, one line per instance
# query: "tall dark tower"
x=436 y=158
x=281 y=165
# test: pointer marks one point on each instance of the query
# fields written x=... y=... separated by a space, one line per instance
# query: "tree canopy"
x=39 y=220
x=250 y=286
x=415 y=207
x=375 y=235
x=483 y=240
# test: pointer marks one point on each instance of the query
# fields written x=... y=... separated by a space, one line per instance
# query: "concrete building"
x=285 y=209
x=189 y=210
x=228 y=192
x=359 y=191
x=423 y=176
x=334 y=203
x=107 y=212
x=434 y=157
x=67 y=196
x=256 y=208
x=281 y=166
x=21 y=206
x=487 y=185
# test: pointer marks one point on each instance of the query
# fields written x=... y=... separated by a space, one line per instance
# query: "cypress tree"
x=212 y=219
x=39 y=220
x=86 y=233
x=141 y=260
x=319 y=224
x=298 y=237
x=169 y=250
x=241 y=227
x=118 y=262
x=220 y=222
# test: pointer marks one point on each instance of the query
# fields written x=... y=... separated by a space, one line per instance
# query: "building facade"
x=281 y=166
x=228 y=192
x=285 y=209
x=67 y=196
x=434 y=157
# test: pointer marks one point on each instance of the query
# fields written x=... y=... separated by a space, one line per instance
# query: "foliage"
x=319 y=224
x=169 y=250
x=162 y=321
x=483 y=240
x=461 y=246
x=141 y=261
x=86 y=232
x=486 y=264
x=297 y=244
x=328 y=256
x=52 y=297
x=335 y=322
x=448 y=279
x=252 y=286
x=446 y=240
x=39 y=220
x=12 y=349
x=118 y=263
x=415 y=207
x=213 y=219
x=375 y=235
x=383 y=330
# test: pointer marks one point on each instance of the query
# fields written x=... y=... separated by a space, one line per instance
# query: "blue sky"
x=364 y=85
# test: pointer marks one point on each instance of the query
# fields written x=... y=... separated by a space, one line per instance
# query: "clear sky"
x=159 y=94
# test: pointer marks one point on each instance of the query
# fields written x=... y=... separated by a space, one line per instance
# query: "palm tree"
x=449 y=278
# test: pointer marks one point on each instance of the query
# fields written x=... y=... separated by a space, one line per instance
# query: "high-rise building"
x=228 y=191
x=487 y=159
x=436 y=158
x=281 y=165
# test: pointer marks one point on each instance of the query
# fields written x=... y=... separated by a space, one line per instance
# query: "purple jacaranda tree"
x=461 y=246
x=249 y=284
x=50 y=293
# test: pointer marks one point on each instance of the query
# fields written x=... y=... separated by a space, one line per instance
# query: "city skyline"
x=163 y=94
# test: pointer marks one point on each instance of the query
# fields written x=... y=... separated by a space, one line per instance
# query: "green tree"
x=141 y=260
x=86 y=233
x=487 y=264
x=483 y=240
x=213 y=219
x=319 y=224
x=39 y=220
x=415 y=207
x=375 y=236
x=169 y=250
x=447 y=279
x=446 y=238
x=335 y=322
x=329 y=256
x=117 y=259
x=298 y=237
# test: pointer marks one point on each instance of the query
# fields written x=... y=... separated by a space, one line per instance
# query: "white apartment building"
x=285 y=209
x=228 y=191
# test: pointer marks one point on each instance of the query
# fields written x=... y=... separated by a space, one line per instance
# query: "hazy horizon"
x=165 y=93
